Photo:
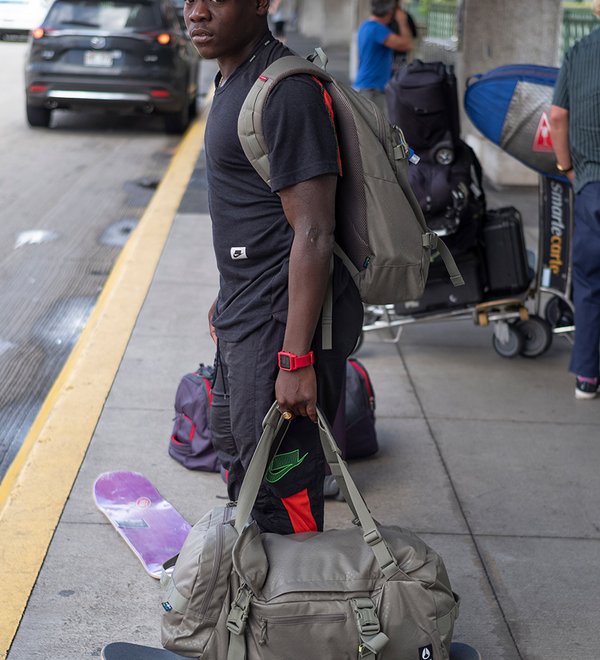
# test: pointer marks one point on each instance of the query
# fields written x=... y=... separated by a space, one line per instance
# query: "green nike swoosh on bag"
x=282 y=464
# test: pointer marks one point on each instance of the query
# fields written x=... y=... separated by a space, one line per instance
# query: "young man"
x=274 y=250
x=575 y=120
x=377 y=44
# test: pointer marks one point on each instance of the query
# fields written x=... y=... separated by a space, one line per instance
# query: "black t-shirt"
x=252 y=237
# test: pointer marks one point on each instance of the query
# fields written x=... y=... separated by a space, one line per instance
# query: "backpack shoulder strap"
x=250 y=129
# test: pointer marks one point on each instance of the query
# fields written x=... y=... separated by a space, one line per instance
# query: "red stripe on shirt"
x=298 y=508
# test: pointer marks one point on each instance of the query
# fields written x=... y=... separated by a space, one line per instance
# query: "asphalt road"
x=70 y=196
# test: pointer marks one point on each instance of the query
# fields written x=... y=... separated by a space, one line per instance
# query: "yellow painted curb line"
x=36 y=487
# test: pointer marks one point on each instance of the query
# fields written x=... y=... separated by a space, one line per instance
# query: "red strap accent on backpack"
x=298 y=508
x=209 y=390
x=364 y=374
x=329 y=104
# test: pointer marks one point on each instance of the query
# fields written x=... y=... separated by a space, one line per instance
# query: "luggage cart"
x=516 y=330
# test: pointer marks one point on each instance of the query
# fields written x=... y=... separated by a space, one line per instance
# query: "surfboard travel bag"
x=370 y=592
x=510 y=105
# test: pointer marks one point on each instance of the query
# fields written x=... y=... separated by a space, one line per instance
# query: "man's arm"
x=403 y=41
x=309 y=207
x=559 y=126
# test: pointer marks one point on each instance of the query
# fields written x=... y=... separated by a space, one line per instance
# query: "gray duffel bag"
x=371 y=592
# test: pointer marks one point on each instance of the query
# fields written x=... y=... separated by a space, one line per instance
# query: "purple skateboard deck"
x=150 y=526
x=126 y=651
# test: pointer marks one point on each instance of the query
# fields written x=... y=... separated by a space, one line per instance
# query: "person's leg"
x=586 y=282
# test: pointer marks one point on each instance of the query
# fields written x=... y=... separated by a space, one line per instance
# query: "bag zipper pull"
x=263 y=633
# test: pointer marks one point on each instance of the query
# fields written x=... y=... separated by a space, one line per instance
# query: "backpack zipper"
x=296 y=620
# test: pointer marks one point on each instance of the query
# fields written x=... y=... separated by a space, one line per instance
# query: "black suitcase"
x=440 y=294
x=505 y=255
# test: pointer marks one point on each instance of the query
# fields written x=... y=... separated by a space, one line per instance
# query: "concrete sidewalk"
x=492 y=461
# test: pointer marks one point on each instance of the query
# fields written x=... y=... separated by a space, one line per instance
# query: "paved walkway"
x=492 y=461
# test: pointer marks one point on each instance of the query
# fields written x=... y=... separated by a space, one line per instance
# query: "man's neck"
x=384 y=20
x=228 y=64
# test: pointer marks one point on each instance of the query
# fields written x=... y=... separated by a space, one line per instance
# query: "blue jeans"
x=586 y=282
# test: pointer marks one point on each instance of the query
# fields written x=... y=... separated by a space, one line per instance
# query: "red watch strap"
x=290 y=362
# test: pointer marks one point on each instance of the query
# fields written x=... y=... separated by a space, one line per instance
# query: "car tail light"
x=38 y=88
x=38 y=33
x=163 y=38
x=160 y=93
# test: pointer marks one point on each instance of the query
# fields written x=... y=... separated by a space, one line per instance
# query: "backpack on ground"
x=365 y=592
x=422 y=98
x=190 y=442
x=380 y=233
x=361 y=437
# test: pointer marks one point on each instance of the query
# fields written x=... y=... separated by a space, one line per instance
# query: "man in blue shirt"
x=376 y=46
x=575 y=120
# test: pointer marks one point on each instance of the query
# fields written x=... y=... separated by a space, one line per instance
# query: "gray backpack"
x=369 y=592
x=380 y=234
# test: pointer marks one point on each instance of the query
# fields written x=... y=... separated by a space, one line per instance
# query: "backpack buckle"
x=240 y=608
x=430 y=240
x=366 y=617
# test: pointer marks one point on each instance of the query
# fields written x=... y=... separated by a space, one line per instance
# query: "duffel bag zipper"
x=296 y=620
x=217 y=563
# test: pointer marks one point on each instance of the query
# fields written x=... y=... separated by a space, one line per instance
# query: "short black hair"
x=382 y=7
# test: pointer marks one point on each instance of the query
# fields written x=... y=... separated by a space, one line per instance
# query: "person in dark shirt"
x=575 y=122
x=274 y=251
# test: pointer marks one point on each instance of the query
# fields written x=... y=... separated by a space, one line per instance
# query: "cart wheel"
x=558 y=313
x=513 y=344
x=537 y=334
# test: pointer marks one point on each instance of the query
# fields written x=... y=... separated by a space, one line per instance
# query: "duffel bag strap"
x=372 y=536
x=274 y=430
x=236 y=624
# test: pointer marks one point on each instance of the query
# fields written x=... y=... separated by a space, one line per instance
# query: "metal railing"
x=441 y=20
x=577 y=22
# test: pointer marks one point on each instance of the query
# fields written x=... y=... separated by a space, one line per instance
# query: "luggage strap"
x=434 y=242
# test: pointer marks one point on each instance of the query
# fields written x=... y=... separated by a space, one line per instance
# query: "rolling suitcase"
x=505 y=255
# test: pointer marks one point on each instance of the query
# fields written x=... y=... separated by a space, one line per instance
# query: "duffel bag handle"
x=274 y=430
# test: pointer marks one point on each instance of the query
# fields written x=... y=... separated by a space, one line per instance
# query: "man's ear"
x=262 y=7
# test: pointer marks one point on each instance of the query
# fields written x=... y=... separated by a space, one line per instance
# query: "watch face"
x=285 y=362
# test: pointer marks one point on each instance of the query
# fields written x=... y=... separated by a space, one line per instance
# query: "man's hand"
x=296 y=392
x=211 y=311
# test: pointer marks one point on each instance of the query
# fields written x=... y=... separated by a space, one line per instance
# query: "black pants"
x=291 y=497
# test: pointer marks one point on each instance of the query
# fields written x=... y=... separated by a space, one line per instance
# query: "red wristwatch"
x=291 y=362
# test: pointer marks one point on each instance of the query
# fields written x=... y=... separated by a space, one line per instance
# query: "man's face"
x=222 y=28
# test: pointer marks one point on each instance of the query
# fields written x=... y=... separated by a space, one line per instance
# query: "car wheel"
x=177 y=122
x=37 y=116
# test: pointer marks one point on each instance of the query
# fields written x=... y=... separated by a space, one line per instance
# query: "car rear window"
x=107 y=15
